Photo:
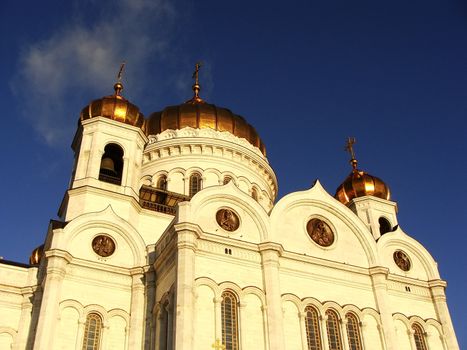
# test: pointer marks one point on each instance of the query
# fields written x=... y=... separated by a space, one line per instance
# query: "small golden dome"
x=114 y=107
x=36 y=255
x=360 y=183
x=199 y=115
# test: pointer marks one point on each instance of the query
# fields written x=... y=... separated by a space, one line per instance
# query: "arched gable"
x=202 y=209
x=423 y=266
x=76 y=238
x=291 y=214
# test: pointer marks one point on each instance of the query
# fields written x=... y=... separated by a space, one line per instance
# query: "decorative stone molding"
x=208 y=133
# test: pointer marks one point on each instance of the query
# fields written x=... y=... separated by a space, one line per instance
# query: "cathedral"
x=170 y=237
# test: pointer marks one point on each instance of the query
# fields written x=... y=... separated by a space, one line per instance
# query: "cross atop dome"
x=196 y=87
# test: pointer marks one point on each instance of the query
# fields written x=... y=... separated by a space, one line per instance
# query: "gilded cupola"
x=198 y=114
x=115 y=107
x=359 y=183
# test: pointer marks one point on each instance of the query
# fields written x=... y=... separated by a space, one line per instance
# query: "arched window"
x=353 y=332
x=162 y=182
x=229 y=320
x=195 y=184
x=112 y=164
x=384 y=225
x=227 y=179
x=419 y=337
x=312 y=328
x=254 y=194
x=92 y=332
x=334 y=332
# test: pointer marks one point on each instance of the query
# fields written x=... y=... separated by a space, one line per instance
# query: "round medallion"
x=103 y=245
x=320 y=232
x=402 y=260
x=227 y=219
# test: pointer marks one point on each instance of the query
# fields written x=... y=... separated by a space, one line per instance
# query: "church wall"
x=204 y=318
x=252 y=323
x=292 y=334
x=371 y=335
x=326 y=283
x=412 y=305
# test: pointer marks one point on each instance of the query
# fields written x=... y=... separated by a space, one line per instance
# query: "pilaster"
x=270 y=253
x=137 y=309
x=379 y=278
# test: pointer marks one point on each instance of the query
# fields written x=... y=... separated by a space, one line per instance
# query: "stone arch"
x=398 y=239
x=230 y=194
x=71 y=303
x=107 y=219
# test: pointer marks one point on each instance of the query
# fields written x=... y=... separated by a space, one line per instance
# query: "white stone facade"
x=162 y=287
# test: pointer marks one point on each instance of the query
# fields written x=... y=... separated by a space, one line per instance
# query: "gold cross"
x=218 y=345
x=196 y=72
x=349 y=146
x=120 y=72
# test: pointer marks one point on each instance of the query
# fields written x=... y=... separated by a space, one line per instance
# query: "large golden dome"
x=199 y=115
x=360 y=183
x=114 y=107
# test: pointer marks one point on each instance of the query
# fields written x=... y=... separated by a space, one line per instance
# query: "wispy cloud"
x=83 y=56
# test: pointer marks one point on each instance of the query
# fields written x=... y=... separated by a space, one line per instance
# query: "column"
x=270 y=253
x=49 y=313
x=25 y=319
x=137 y=308
x=324 y=331
x=345 y=339
x=243 y=342
x=302 y=318
x=218 y=318
x=184 y=298
x=264 y=311
x=437 y=288
x=379 y=277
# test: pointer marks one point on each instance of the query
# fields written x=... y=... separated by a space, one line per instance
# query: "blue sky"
x=306 y=74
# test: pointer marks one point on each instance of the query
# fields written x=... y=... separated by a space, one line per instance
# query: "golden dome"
x=360 y=183
x=114 y=107
x=36 y=255
x=203 y=115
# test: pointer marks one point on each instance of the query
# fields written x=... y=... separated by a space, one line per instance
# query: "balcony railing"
x=160 y=200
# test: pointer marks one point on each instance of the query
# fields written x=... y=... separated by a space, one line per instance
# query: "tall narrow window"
x=112 y=164
x=334 y=332
x=353 y=332
x=162 y=182
x=92 y=332
x=229 y=321
x=195 y=184
x=419 y=337
x=312 y=329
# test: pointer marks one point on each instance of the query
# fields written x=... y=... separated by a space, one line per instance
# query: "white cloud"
x=85 y=57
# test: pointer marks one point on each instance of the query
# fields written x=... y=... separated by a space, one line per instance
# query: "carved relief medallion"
x=402 y=260
x=320 y=232
x=227 y=219
x=103 y=245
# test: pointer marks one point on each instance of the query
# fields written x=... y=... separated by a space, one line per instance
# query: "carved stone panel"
x=103 y=245
x=320 y=232
x=402 y=260
x=227 y=219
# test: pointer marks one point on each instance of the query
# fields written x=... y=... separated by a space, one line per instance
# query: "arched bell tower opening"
x=111 y=168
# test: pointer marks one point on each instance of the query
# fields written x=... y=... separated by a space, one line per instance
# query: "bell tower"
x=368 y=197
x=108 y=148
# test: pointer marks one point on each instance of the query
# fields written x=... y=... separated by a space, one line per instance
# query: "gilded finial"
x=349 y=148
x=218 y=345
x=118 y=87
x=196 y=86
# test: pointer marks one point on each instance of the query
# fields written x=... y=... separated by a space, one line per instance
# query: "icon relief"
x=103 y=245
x=227 y=219
x=402 y=260
x=320 y=232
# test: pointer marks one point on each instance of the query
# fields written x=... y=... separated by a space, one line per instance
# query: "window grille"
x=353 y=332
x=419 y=337
x=92 y=332
x=229 y=321
x=312 y=329
x=332 y=325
